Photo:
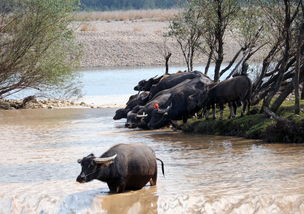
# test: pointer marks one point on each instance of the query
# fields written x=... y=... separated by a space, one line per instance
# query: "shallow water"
x=204 y=174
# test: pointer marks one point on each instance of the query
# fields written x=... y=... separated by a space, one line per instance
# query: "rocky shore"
x=32 y=103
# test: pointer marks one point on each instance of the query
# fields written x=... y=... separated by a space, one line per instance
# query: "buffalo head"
x=91 y=167
x=145 y=85
x=120 y=113
x=159 y=118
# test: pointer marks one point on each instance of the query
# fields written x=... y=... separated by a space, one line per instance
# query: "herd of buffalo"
x=179 y=96
x=159 y=102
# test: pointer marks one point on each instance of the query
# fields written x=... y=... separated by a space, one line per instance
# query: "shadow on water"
x=143 y=201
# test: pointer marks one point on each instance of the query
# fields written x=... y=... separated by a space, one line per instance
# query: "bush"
x=37 y=49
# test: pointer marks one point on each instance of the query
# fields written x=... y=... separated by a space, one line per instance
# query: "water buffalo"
x=185 y=100
x=145 y=85
x=144 y=114
x=122 y=167
x=132 y=119
x=231 y=91
x=173 y=80
x=121 y=113
x=134 y=100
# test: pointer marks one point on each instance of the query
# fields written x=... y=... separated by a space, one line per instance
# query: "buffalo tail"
x=162 y=164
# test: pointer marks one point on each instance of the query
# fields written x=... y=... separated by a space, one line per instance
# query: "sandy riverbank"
x=131 y=43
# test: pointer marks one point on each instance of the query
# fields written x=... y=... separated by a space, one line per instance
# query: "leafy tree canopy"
x=37 y=49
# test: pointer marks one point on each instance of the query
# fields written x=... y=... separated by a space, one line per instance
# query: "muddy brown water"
x=204 y=174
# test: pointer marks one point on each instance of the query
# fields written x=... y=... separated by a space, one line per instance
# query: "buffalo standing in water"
x=122 y=167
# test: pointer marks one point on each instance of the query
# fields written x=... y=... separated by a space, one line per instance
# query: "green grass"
x=255 y=125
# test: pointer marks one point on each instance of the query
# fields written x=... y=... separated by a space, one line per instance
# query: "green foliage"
x=37 y=47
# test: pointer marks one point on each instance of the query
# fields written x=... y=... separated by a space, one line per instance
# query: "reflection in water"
x=204 y=174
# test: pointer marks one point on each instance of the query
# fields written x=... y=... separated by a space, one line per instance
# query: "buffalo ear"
x=79 y=160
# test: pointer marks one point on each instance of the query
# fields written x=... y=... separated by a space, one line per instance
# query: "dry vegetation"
x=145 y=15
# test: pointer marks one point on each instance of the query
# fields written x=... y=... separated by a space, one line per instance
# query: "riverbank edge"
x=289 y=129
x=31 y=102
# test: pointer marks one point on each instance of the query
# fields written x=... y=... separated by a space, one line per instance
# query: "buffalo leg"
x=221 y=111
x=213 y=111
x=185 y=118
x=231 y=110
x=244 y=107
x=206 y=112
x=248 y=105
x=112 y=187
x=121 y=187
x=234 y=108
x=174 y=125
x=153 y=180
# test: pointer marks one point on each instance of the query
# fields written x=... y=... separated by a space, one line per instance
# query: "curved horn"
x=165 y=110
x=105 y=160
x=143 y=115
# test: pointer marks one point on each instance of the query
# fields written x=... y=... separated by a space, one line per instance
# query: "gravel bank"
x=131 y=43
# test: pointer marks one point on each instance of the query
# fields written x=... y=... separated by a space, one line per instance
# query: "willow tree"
x=282 y=68
x=202 y=28
x=186 y=29
x=37 y=49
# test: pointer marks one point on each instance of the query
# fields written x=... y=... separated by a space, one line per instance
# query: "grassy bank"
x=289 y=129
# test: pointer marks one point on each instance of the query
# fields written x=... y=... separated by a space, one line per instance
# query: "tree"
x=37 y=49
x=278 y=78
x=166 y=53
x=187 y=31
x=203 y=26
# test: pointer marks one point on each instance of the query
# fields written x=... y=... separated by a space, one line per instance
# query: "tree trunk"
x=208 y=62
x=296 y=82
x=167 y=62
x=302 y=92
x=280 y=99
x=297 y=74
x=219 y=32
x=217 y=68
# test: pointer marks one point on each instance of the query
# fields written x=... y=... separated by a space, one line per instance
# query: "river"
x=203 y=174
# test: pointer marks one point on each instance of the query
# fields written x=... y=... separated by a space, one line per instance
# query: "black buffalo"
x=178 y=102
x=173 y=80
x=185 y=100
x=134 y=100
x=132 y=119
x=231 y=91
x=144 y=114
x=122 y=167
x=145 y=85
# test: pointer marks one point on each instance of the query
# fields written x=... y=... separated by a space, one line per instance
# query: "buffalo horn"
x=163 y=111
x=105 y=160
x=143 y=115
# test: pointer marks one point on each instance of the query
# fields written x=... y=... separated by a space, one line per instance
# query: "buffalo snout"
x=81 y=178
